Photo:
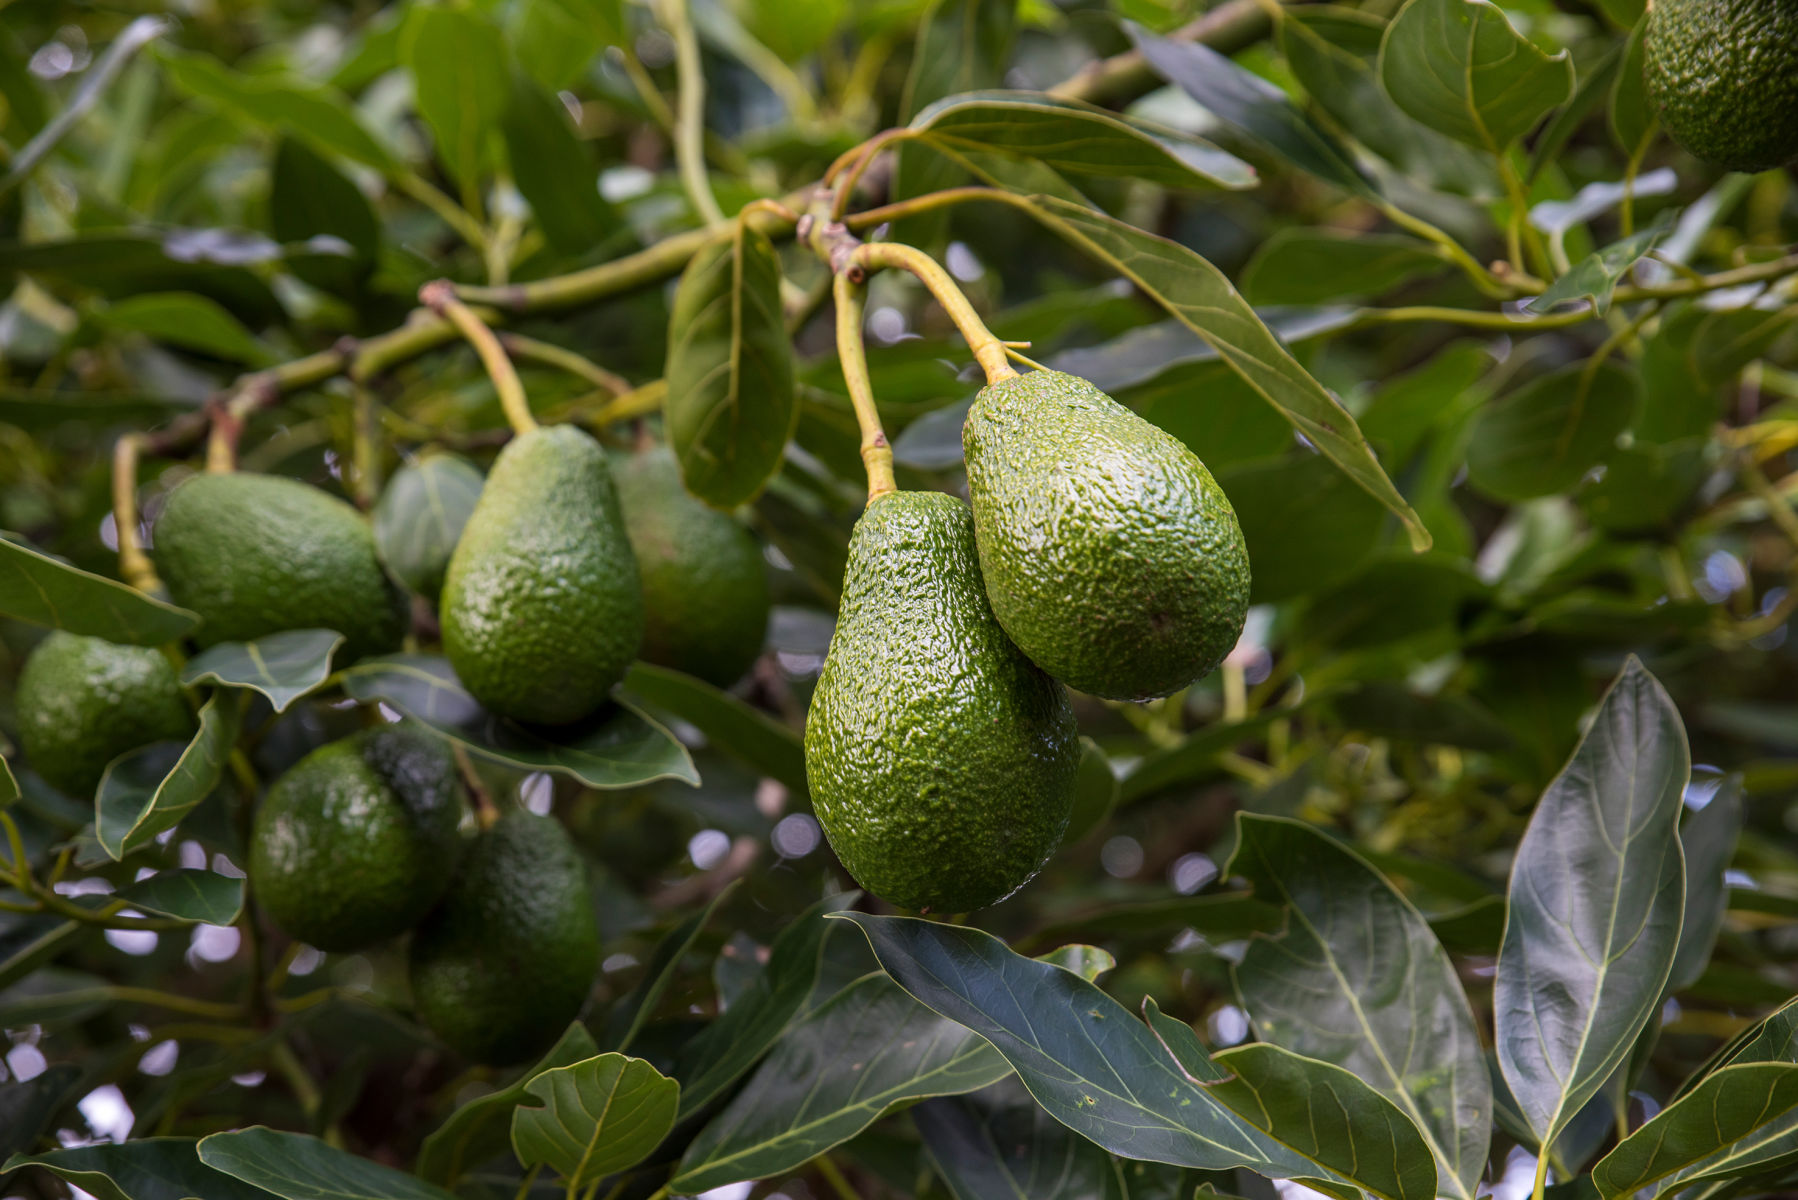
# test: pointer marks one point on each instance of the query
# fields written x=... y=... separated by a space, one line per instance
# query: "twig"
x=852 y=351
x=440 y=297
x=988 y=350
x=134 y=564
x=689 y=133
x=519 y=346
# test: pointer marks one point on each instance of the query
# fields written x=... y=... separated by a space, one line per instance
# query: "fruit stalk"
x=877 y=454
x=440 y=297
x=988 y=350
x=134 y=564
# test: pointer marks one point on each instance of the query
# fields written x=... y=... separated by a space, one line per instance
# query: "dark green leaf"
x=1729 y=339
x=555 y=40
x=149 y=790
x=594 y=1118
x=188 y=321
x=1394 y=597
x=1220 y=917
x=1737 y=1119
x=1356 y=978
x=627 y=1018
x=457 y=61
x=999 y=1142
x=731 y=403
x=1306 y=524
x=27 y=1106
x=1315 y=266
x=1708 y=840
x=419 y=518
x=311 y=201
x=1596 y=276
x=1541 y=438
x=554 y=171
x=296 y=1167
x=1596 y=894
x=190 y=894
x=1459 y=67
x=1095 y=793
x=33 y=941
x=320 y=115
x=37 y=588
x=742 y=731
x=119 y=264
x=282 y=666
x=618 y=747
x=161 y=1168
x=1633 y=119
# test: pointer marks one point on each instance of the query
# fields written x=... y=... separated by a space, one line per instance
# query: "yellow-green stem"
x=440 y=297
x=134 y=564
x=833 y=1175
x=365 y=445
x=519 y=346
x=689 y=134
x=877 y=453
x=988 y=350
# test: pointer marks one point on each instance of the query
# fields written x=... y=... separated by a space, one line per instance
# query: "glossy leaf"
x=1597 y=890
x=1595 y=277
x=594 y=1118
x=999 y=1142
x=628 y=1016
x=1357 y=978
x=554 y=171
x=419 y=518
x=296 y=1167
x=731 y=403
x=1317 y=266
x=1738 y=1118
x=148 y=791
x=188 y=321
x=831 y=1076
x=190 y=894
x=1541 y=438
x=320 y=115
x=618 y=747
x=1459 y=67
x=37 y=588
x=282 y=666
x=1201 y=298
x=159 y=1168
x=1707 y=839
x=457 y=61
x=744 y=732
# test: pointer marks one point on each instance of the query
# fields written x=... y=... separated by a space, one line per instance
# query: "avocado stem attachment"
x=988 y=350
x=440 y=297
x=134 y=564
x=847 y=289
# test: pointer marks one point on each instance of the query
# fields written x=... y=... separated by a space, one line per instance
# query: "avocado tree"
x=1090 y=599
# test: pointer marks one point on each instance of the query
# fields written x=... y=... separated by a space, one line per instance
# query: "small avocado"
x=507 y=960
x=257 y=554
x=1111 y=556
x=83 y=701
x=705 y=587
x=357 y=841
x=542 y=607
x=1724 y=75
x=941 y=761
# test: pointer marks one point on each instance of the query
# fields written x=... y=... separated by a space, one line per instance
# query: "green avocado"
x=941 y=761
x=705 y=587
x=507 y=960
x=542 y=609
x=1111 y=556
x=1724 y=75
x=257 y=554
x=83 y=701
x=357 y=841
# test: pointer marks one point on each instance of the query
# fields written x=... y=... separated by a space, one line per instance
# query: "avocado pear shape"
x=357 y=841
x=542 y=608
x=83 y=701
x=257 y=554
x=941 y=761
x=1111 y=556
x=1724 y=76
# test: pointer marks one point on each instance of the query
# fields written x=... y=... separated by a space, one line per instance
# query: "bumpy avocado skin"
x=941 y=761
x=83 y=701
x=257 y=554
x=1111 y=556
x=507 y=960
x=705 y=587
x=1724 y=75
x=357 y=841
x=542 y=609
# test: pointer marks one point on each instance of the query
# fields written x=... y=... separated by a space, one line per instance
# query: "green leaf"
x=628 y=1016
x=744 y=732
x=158 y=1168
x=30 y=943
x=148 y=791
x=1459 y=67
x=618 y=747
x=457 y=61
x=1396 y=596
x=282 y=666
x=208 y=262
x=1596 y=276
x=555 y=172
x=1316 y=266
x=27 y=1106
x=1201 y=298
x=1597 y=890
x=37 y=588
x=1634 y=121
x=999 y=1142
x=595 y=1118
x=1356 y=978
x=1095 y=792
x=309 y=198
x=188 y=321
x=188 y=894
x=481 y=1129
x=297 y=1167
x=1218 y=917
x=1541 y=438
x=1306 y=524
x=419 y=518
x=723 y=1051
x=831 y=1076
x=1251 y=105
x=1707 y=840
x=731 y=403
x=1194 y=758
x=556 y=40
x=1738 y=1118
x=1075 y=138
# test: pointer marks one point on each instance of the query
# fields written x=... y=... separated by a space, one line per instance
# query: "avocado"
x=83 y=701
x=507 y=960
x=257 y=554
x=705 y=587
x=357 y=841
x=542 y=609
x=1724 y=75
x=941 y=761
x=1111 y=556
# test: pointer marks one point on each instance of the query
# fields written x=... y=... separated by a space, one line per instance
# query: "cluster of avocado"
x=1098 y=553
x=1724 y=76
